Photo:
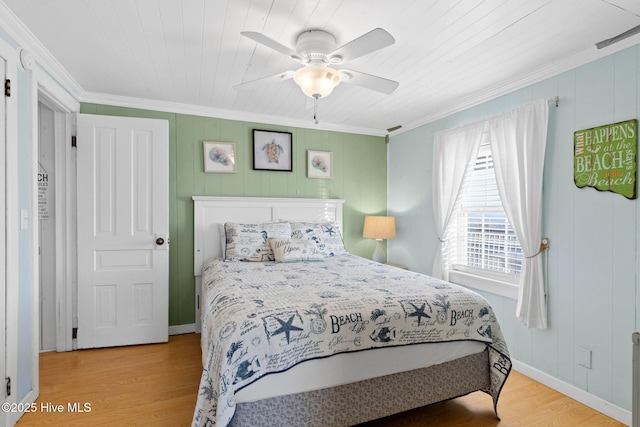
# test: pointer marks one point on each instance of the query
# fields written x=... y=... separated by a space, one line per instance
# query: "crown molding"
x=566 y=64
x=197 y=110
x=24 y=39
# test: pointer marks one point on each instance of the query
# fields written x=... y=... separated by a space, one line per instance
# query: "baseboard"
x=609 y=409
x=182 y=329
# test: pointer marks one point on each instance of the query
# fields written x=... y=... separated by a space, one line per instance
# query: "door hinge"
x=74 y=333
x=7 y=87
x=74 y=142
x=8 y=386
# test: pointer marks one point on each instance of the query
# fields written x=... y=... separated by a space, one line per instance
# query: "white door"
x=123 y=216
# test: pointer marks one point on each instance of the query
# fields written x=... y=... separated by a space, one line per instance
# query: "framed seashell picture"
x=219 y=157
x=272 y=151
x=319 y=164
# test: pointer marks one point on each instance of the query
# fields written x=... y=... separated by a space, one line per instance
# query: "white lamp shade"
x=316 y=81
x=379 y=227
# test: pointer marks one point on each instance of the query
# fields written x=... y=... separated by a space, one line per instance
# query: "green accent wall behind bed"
x=359 y=177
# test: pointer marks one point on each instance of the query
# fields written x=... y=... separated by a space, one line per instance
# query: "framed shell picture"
x=319 y=164
x=219 y=157
x=272 y=151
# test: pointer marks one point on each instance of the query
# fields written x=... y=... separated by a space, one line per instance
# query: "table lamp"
x=379 y=228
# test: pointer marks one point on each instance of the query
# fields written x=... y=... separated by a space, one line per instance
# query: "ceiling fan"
x=316 y=50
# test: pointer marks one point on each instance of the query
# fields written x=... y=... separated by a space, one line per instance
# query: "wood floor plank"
x=156 y=385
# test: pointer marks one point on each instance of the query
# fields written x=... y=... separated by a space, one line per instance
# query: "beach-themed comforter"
x=263 y=318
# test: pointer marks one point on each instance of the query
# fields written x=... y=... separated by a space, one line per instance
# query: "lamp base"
x=378 y=253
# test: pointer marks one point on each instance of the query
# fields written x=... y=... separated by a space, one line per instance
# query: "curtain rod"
x=555 y=99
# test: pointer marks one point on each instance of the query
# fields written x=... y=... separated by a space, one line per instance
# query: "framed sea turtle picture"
x=272 y=151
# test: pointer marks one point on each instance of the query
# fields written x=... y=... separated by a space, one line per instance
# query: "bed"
x=321 y=337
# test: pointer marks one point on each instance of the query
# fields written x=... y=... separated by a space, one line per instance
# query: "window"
x=476 y=242
x=483 y=246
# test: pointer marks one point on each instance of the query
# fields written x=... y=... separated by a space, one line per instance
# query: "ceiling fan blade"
x=366 y=43
x=271 y=43
x=379 y=84
x=269 y=79
x=619 y=37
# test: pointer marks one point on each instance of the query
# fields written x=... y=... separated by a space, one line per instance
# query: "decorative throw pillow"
x=326 y=235
x=250 y=242
x=292 y=250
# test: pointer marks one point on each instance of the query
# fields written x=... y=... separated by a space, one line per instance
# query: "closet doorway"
x=56 y=195
x=46 y=220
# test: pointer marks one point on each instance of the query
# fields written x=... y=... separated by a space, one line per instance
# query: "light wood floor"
x=156 y=385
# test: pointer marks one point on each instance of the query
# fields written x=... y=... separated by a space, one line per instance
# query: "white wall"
x=22 y=294
x=594 y=254
x=22 y=353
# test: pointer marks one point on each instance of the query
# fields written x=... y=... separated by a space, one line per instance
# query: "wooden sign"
x=605 y=158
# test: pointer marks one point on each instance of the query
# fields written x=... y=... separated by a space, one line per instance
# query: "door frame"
x=65 y=107
x=8 y=313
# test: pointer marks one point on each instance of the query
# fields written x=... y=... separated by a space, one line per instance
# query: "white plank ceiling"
x=185 y=55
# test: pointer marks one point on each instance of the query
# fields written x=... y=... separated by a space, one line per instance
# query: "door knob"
x=159 y=241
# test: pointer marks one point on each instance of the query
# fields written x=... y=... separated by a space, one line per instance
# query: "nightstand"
x=396 y=265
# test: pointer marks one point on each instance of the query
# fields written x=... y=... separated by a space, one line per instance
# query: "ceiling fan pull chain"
x=315 y=109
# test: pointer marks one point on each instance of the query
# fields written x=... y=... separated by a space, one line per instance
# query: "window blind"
x=483 y=238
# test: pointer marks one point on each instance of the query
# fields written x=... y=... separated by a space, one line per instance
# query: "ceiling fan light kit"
x=317 y=81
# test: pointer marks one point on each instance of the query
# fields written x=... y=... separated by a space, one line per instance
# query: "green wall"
x=359 y=177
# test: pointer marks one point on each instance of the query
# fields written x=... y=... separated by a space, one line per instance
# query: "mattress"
x=346 y=368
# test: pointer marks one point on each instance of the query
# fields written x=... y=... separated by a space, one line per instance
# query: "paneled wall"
x=359 y=177
x=593 y=258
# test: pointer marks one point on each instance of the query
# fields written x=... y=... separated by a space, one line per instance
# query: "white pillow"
x=326 y=235
x=249 y=242
x=292 y=250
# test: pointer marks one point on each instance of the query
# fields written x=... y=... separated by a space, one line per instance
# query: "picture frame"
x=319 y=164
x=219 y=157
x=272 y=151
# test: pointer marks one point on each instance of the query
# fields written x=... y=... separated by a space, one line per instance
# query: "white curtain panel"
x=518 y=142
x=453 y=151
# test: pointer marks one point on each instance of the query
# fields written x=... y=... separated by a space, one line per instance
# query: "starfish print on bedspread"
x=328 y=229
x=286 y=328
x=419 y=312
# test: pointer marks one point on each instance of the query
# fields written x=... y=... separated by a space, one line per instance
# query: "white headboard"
x=211 y=212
